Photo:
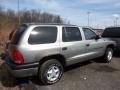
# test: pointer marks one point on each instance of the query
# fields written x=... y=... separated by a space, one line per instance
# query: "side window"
x=89 y=34
x=43 y=35
x=70 y=34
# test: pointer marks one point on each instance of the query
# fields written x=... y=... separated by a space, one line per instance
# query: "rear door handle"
x=87 y=45
x=64 y=48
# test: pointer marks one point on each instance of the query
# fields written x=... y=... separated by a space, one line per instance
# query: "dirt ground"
x=90 y=75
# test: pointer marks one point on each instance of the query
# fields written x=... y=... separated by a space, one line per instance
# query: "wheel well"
x=58 y=57
x=111 y=46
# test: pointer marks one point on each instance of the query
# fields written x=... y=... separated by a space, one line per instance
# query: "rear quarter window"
x=43 y=35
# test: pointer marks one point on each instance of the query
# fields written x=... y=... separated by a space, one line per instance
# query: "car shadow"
x=77 y=65
x=3 y=56
x=117 y=54
x=5 y=78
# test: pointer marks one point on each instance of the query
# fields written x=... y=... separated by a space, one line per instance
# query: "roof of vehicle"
x=55 y=24
x=51 y=24
x=113 y=27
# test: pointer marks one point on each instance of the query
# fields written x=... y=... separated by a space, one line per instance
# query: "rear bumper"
x=21 y=70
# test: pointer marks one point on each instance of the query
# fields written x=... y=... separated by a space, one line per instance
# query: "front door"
x=94 y=47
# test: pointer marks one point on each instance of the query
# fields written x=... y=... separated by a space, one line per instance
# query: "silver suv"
x=46 y=49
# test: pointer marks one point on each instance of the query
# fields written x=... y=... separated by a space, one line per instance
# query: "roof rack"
x=49 y=24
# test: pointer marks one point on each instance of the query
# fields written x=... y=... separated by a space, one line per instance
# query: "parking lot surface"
x=90 y=75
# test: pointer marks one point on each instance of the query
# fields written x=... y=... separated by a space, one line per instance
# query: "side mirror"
x=97 y=37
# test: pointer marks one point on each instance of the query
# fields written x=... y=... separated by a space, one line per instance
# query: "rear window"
x=17 y=34
x=112 y=32
x=43 y=35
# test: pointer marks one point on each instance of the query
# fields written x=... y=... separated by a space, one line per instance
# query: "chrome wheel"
x=109 y=56
x=53 y=73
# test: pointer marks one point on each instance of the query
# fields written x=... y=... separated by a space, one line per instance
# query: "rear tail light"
x=17 y=57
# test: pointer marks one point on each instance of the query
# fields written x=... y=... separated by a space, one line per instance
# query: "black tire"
x=108 y=55
x=46 y=67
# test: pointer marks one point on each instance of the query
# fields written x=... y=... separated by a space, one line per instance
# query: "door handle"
x=87 y=45
x=64 y=48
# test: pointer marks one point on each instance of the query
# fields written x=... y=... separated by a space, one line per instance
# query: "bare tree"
x=9 y=18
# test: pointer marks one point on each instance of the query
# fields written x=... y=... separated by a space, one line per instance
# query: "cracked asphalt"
x=90 y=75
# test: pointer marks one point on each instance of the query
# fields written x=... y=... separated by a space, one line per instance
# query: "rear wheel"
x=50 y=72
x=108 y=55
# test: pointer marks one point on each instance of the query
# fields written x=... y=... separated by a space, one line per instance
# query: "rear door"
x=72 y=44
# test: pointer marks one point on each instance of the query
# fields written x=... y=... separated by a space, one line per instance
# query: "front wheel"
x=50 y=72
x=108 y=55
